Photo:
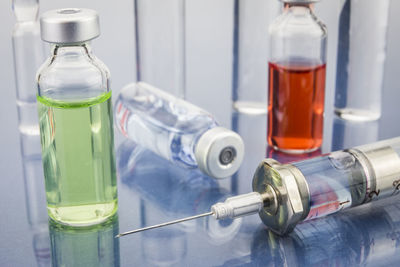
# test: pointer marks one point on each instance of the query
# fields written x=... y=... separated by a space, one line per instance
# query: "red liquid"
x=296 y=106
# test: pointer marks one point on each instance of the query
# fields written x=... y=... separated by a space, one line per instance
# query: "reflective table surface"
x=152 y=190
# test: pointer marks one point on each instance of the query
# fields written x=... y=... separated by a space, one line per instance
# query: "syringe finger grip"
x=238 y=206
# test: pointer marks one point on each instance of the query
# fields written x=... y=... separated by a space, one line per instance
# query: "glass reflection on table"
x=368 y=235
x=348 y=134
x=35 y=196
x=169 y=192
x=85 y=246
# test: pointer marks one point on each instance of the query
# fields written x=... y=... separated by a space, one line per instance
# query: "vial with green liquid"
x=75 y=119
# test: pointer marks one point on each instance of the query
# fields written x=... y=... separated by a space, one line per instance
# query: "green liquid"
x=78 y=159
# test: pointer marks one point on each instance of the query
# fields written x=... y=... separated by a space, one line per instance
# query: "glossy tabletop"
x=152 y=190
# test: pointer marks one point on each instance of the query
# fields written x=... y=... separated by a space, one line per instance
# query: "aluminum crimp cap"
x=69 y=25
x=219 y=152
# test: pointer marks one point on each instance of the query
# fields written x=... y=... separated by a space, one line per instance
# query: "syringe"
x=286 y=194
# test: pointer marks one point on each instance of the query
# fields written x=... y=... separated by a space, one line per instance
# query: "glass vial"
x=296 y=79
x=28 y=52
x=177 y=130
x=75 y=117
x=160 y=44
x=250 y=49
x=361 y=59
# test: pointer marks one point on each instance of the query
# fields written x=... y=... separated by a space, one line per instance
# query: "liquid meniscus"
x=78 y=159
x=296 y=106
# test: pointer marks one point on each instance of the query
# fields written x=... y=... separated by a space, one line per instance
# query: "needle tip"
x=117 y=236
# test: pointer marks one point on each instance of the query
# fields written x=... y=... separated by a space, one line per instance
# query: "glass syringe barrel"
x=324 y=185
x=177 y=130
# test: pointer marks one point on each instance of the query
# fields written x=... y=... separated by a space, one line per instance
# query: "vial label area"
x=296 y=106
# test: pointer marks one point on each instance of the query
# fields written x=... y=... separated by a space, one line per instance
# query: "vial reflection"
x=283 y=157
x=253 y=130
x=353 y=133
x=87 y=246
x=171 y=192
x=164 y=247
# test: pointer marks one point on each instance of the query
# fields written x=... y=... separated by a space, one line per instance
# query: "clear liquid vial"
x=177 y=130
x=75 y=118
x=297 y=69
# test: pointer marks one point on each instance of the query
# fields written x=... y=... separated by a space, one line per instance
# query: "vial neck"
x=288 y=6
x=81 y=49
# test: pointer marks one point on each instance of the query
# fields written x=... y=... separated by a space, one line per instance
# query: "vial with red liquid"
x=296 y=84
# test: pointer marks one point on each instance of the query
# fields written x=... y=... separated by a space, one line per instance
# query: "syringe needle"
x=165 y=224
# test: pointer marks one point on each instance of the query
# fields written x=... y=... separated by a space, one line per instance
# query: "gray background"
x=209 y=53
x=209 y=44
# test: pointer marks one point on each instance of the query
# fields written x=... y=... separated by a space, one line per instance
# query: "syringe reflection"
x=368 y=235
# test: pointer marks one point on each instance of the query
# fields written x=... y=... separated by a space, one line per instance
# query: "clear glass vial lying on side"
x=75 y=119
x=296 y=79
x=177 y=130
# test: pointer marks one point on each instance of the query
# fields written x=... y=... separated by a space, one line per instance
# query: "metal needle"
x=165 y=224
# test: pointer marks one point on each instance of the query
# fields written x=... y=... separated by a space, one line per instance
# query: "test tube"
x=28 y=54
x=160 y=44
x=361 y=59
x=28 y=51
x=250 y=51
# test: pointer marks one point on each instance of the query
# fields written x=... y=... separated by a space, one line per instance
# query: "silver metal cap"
x=219 y=152
x=69 y=25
